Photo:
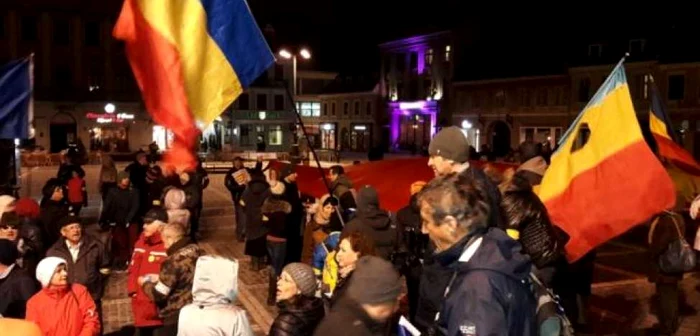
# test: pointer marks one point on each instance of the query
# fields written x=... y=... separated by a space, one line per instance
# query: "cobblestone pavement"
x=621 y=302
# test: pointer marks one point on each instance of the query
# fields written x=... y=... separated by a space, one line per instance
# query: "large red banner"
x=392 y=178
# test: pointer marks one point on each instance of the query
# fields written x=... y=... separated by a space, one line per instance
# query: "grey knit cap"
x=450 y=143
x=303 y=276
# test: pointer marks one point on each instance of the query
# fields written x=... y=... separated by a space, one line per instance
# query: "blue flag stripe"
x=15 y=99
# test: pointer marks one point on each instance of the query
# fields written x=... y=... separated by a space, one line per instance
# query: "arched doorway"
x=62 y=131
x=500 y=138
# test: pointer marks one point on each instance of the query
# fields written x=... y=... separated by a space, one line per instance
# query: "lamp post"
x=304 y=53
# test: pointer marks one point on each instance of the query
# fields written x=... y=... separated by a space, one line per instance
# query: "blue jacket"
x=322 y=250
x=491 y=293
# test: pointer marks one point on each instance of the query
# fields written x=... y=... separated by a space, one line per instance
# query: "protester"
x=137 y=175
x=119 y=212
x=77 y=193
x=374 y=222
x=66 y=169
x=213 y=311
x=16 y=285
x=10 y=229
x=174 y=200
x=341 y=187
x=325 y=264
x=353 y=246
x=666 y=228
x=108 y=175
x=293 y=226
x=275 y=211
x=62 y=308
x=194 y=186
x=53 y=208
x=534 y=165
x=318 y=228
x=149 y=254
x=154 y=186
x=30 y=232
x=236 y=189
x=86 y=258
x=372 y=298
x=171 y=289
x=449 y=153
x=412 y=245
x=254 y=196
x=487 y=266
x=300 y=311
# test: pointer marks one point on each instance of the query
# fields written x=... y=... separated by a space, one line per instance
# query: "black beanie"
x=8 y=252
x=156 y=214
x=450 y=143
x=68 y=220
x=374 y=281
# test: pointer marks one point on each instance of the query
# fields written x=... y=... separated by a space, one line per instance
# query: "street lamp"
x=286 y=54
x=110 y=108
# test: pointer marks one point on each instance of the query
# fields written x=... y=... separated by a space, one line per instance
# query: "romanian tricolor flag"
x=601 y=184
x=191 y=59
x=664 y=136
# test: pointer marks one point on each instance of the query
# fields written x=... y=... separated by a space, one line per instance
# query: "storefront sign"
x=104 y=118
x=360 y=127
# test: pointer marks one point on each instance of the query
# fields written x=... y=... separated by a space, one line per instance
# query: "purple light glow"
x=399 y=109
x=421 y=61
x=416 y=105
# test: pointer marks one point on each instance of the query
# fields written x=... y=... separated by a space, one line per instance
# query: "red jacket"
x=64 y=311
x=149 y=254
x=76 y=190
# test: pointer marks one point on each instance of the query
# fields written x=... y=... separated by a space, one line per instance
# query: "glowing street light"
x=110 y=108
x=305 y=53
x=285 y=54
x=466 y=124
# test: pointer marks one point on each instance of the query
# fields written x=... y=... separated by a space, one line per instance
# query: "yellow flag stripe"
x=658 y=126
x=210 y=81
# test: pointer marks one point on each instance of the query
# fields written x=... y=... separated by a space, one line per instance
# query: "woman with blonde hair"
x=108 y=175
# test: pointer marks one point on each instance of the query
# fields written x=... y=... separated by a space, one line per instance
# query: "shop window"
x=92 y=34
x=244 y=102
x=245 y=135
x=61 y=32
x=305 y=109
x=109 y=139
x=279 y=102
x=275 y=135
x=261 y=101
x=315 y=109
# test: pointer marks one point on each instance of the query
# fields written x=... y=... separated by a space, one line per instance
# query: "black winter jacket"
x=51 y=213
x=34 y=249
x=298 y=319
x=15 y=290
x=375 y=223
x=275 y=211
x=137 y=175
x=236 y=189
x=254 y=196
x=490 y=294
x=89 y=268
x=121 y=206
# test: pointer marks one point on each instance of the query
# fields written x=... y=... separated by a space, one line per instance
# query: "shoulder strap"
x=652 y=228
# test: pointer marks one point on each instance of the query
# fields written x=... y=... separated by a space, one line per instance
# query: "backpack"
x=551 y=319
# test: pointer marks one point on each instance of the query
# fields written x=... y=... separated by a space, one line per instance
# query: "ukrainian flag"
x=599 y=186
x=191 y=59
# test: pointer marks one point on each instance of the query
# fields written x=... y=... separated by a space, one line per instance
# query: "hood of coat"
x=495 y=252
x=257 y=186
x=215 y=281
x=342 y=182
x=536 y=165
x=175 y=199
x=368 y=210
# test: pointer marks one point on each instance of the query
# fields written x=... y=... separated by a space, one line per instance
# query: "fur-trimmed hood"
x=274 y=204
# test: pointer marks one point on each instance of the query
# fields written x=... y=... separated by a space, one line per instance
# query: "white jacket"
x=213 y=311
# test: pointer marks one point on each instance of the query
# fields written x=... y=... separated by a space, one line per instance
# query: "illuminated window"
x=315 y=109
x=429 y=57
x=448 y=49
x=274 y=135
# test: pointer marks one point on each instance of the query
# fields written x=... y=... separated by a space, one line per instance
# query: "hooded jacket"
x=253 y=198
x=174 y=201
x=299 y=318
x=51 y=212
x=213 y=311
x=174 y=287
x=90 y=265
x=342 y=190
x=373 y=222
x=149 y=254
x=490 y=294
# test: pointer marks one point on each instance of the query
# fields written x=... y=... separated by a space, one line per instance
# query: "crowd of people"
x=475 y=249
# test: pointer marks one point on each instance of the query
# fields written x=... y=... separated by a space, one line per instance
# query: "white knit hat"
x=46 y=269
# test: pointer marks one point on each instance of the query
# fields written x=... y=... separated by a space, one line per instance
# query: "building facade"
x=416 y=74
x=350 y=121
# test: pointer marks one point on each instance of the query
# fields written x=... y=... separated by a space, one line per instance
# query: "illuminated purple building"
x=415 y=76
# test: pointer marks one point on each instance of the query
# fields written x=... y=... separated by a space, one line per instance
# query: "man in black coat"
x=16 y=285
x=236 y=189
x=293 y=227
x=193 y=184
x=138 y=170
x=374 y=222
x=119 y=214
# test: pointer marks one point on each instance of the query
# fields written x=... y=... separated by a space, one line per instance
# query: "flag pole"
x=311 y=147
